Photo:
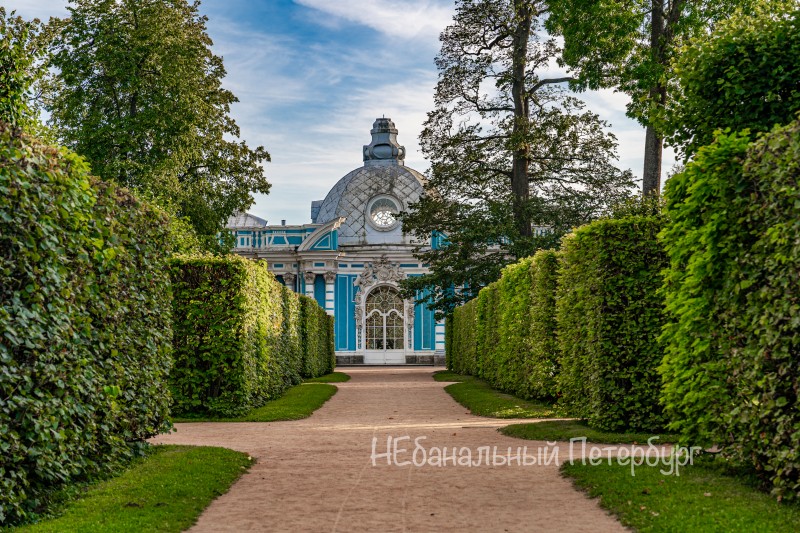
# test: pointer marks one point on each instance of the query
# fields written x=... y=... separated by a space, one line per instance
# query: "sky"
x=312 y=76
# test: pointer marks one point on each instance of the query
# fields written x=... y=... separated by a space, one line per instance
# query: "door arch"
x=384 y=326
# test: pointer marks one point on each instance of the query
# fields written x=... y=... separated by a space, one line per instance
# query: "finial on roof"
x=384 y=148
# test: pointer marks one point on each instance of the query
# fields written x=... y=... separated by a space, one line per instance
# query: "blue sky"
x=312 y=76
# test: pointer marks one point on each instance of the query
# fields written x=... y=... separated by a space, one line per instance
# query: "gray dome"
x=383 y=176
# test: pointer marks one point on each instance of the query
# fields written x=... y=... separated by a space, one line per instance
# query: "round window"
x=383 y=213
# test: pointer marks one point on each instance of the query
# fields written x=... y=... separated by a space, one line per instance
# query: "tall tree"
x=142 y=100
x=515 y=159
x=629 y=45
x=23 y=52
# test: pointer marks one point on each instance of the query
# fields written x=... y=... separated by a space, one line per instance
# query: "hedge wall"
x=542 y=364
x=506 y=335
x=732 y=369
x=316 y=336
x=240 y=337
x=461 y=347
x=703 y=240
x=609 y=316
x=85 y=323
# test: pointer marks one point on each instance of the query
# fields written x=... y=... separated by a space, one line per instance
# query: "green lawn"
x=333 y=377
x=482 y=400
x=703 y=499
x=298 y=402
x=165 y=491
x=564 y=430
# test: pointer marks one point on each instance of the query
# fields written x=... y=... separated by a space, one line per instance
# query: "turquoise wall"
x=345 y=309
x=319 y=290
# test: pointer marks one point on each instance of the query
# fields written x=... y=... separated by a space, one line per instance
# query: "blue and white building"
x=352 y=255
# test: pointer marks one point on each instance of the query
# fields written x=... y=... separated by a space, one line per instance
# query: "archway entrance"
x=384 y=326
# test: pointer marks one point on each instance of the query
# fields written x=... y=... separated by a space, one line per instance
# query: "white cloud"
x=405 y=19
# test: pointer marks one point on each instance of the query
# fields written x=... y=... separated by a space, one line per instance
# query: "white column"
x=330 y=288
x=288 y=279
x=439 y=336
x=309 y=278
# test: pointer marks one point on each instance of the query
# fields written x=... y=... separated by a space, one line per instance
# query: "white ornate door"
x=384 y=327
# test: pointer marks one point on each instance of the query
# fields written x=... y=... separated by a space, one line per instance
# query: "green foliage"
x=609 y=317
x=516 y=160
x=703 y=240
x=462 y=346
x=541 y=361
x=768 y=324
x=22 y=51
x=319 y=356
x=240 y=337
x=141 y=97
x=507 y=334
x=165 y=491
x=85 y=320
x=629 y=46
x=732 y=365
x=742 y=75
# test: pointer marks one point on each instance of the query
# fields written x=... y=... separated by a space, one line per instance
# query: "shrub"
x=85 y=320
x=487 y=334
x=703 y=240
x=768 y=426
x=316 y=339
x=507 y=334
x=541 y=362
x=741 y=75
x=228 y=320
x=513 y=314
x=733 y=360
x=609 y=317
x=462 y=348
x=240 y=337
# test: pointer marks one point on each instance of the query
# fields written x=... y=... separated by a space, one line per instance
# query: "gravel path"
x=317 y=474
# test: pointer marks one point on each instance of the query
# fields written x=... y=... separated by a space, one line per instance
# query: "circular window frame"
x=398 y=205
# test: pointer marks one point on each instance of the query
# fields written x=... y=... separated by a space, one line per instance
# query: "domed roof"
x=383 y=177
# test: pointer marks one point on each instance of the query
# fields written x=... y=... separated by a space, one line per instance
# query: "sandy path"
x=317 y=474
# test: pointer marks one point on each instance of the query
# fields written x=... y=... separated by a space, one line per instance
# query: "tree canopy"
x=744 y=75
x=23 y=49
x=516 y=160
x=629 y=46
x=142 y=100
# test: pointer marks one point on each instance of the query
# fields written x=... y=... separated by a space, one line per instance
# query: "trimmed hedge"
x=316 y=333
x=240 y=337
x=506 y=335
x=85 y=323
x=703 y=241
x=609 y=316
x=732 y=369
x=461 y=352
x=542 y=364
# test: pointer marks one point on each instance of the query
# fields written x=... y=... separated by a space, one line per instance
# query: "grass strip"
x=333 y=377
x=165 y=491
x=564 y=430
x=482 y=400
x=707 y=497
x=298 y=402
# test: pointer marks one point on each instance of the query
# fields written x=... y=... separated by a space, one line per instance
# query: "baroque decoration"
x=352 y=255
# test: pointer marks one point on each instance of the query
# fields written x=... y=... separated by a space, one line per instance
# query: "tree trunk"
x=653 y=143
x=653 y=148
x=519 y=170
